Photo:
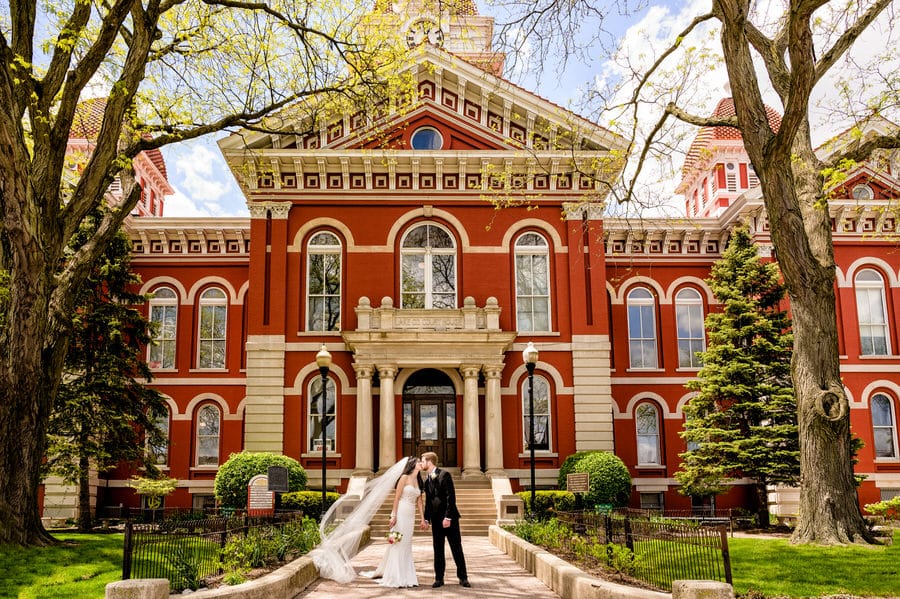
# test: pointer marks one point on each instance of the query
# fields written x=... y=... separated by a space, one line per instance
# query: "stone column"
x=493 y=421
x=387 y=453
x=364 y=424
x=471 y=438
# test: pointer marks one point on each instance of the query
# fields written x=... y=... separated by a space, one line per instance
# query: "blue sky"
x=205 y=187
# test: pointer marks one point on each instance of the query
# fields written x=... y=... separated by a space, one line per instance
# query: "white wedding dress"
x=397 y=568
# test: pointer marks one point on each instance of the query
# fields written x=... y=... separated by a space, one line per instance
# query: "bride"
x=340 y=539
x=396 y=568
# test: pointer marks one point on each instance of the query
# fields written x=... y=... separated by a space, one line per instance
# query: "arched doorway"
x=429 y=416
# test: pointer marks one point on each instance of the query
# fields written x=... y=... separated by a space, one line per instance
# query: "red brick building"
x=425 y=294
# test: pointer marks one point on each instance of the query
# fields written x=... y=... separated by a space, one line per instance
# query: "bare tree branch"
x=701 y=121
x=863 y=149
x=848 y=37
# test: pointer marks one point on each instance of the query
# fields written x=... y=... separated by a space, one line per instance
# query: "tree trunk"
x=762 y=505
x=85 y=519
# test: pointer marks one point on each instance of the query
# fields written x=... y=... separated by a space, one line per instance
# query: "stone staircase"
x=474 y=499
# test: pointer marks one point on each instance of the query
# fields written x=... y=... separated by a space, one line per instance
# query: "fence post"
x=126 y=550
x=726 y=555
x=629 y=540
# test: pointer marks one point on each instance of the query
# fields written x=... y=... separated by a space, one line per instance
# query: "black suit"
x=440 y=503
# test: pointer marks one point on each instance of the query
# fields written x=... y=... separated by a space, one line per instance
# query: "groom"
x=442 y=515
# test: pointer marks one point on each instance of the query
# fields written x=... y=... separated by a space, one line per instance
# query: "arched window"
x=642 y=329
x=323 y=283
x=871 y=313
x=427 y=138
x=884 y=426
x=314 y=409
x=862 y=192
x=213 y=321
x=646 y=419
x=164 y=316
x=428 y=268
x=208 y=432
x=689 y=322
x=541 y=414
x=159 y=452
x=532 y=283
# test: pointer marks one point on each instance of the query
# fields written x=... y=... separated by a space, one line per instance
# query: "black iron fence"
x=659 y=550
x=186 y=550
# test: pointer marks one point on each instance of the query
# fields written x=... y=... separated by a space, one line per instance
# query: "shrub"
x=548 y=503
x=234 y=475
x=568 y=467
x=890 y=509
x=610 y=481
x=548 y=533
x=308 y=502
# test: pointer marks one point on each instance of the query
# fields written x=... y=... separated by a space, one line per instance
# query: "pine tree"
x=103 y=414
x=743 y=421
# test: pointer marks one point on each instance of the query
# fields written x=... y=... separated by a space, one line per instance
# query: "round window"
x=427 y=138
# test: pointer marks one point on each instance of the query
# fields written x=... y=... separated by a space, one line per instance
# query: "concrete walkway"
x=493 y=574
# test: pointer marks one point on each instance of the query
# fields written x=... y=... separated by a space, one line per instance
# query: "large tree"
x=104 y=414
x=743 y=420
x=790 y=47
x=170 y=70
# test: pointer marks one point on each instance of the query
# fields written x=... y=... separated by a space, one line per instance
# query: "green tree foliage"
x=743 y=420
x=610 y=481
x=103 y=412
x=567 y=467
x=235 y=474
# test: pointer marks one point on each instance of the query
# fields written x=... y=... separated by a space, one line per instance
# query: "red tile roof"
x=88 y=119
x=707 y=136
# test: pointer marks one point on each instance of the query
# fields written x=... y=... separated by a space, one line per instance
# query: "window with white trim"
x=208 y=433
x=532 y=255
x=731 y=177
x=689 y=325
x=541 y=414
x=315 y=409
x=646 y=420
x=884 y=426
x=159 y=452
x=862 y=192
x=872 y=313
x=323 y=282
x=642 y=329
x=164 y=319
x=428 y=268
x=213 y=325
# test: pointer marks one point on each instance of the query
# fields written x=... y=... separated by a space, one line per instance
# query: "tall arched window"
x=642 y=329
x=689 y=322
x=159 y=452
x=164 y=315
x=314 y=410
x=428 y=268
x=646 y=419
x=884 y=426
x=208 y=432
x=323 y=283
x=871 y=313
x=213 y=321
x=532 y=283
x=541 y=414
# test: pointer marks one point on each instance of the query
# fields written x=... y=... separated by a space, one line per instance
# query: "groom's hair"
x=430 y=456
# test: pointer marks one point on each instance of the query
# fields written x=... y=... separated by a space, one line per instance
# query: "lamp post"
x=530 y=357
x=323 y=361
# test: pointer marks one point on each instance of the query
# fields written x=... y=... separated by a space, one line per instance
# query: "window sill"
x=313 y=455
x=645 y=370
x=201 y=370
x=319 y=333
x=164 y=370
x=650 y=467
x=880 y=357
x=686 y=369
x=204 y=468
x=543 y=454
x=537 y=333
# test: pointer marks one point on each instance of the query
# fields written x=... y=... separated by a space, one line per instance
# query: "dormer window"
x=862 y=193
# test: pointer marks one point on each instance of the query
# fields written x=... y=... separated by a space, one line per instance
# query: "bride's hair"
x=410 y=465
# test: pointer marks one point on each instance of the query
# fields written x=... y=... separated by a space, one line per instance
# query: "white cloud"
x=203 y=184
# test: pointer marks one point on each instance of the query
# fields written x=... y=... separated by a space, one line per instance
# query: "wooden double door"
x=429 y=416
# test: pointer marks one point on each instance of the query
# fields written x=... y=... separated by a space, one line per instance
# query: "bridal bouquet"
x=394 y=536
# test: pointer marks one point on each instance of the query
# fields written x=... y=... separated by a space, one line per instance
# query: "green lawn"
x=775 y=568
x=79 y=568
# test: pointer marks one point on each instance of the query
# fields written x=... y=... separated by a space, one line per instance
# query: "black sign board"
x=278 y=479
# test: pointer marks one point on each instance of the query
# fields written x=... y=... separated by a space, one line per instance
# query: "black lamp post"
x=323 y=361
x=530 y=356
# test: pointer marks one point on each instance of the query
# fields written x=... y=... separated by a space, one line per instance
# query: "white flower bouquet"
x=394 y=536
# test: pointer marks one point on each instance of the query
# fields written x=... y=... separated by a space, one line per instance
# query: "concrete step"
x=475 y=501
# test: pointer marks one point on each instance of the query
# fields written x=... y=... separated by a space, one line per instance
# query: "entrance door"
x=429 y=416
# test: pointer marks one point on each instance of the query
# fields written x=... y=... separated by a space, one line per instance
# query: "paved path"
x=493 y=574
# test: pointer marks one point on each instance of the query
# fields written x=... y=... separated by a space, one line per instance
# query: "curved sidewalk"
x=493 y=574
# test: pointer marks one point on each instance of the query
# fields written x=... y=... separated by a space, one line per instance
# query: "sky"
x=205 y=187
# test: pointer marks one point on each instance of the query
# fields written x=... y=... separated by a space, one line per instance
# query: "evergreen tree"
x=103 y=415
x=743 y=421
